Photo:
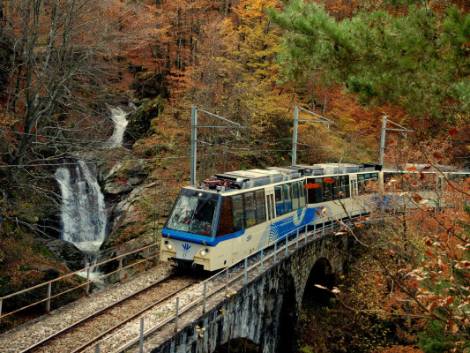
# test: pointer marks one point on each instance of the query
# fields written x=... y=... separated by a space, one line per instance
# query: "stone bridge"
x=265 y=310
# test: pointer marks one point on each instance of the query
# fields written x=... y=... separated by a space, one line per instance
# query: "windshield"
x=193 y=212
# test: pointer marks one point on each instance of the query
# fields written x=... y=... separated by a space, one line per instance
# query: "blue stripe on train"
x=199 y=239
x=300 y=219
x=278 y=230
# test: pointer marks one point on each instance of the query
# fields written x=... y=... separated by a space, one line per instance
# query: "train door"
x=270 y=212
x=353 y=182
x=270 y=206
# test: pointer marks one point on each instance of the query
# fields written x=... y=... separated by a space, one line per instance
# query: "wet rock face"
x=124 y=177
x=72 y=256
x=140 y=120
x=131 y=221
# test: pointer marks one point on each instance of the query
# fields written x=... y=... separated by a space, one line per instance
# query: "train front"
x=188 y=237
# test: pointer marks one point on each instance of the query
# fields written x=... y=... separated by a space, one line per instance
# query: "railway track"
x=88 y=331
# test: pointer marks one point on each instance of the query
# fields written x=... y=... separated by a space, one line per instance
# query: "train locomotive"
x=234 y=214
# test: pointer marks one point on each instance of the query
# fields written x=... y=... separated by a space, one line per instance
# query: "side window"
x=260 y=207
x=238 y=213
x=347 y=190
x=295 y=196
x=314 y=190
x=366 y=183
x=287 y=198
x=279 y=200
x=361 y=184
x=301 y=194
x=342 y=188
x=250 y=208
x=329 y=184
x=226 y=225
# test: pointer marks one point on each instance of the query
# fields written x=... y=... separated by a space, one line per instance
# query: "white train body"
x=238 y=213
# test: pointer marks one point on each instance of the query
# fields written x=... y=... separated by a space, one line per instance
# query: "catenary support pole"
x=382 y=140
x=193 y=145
x=295 y=135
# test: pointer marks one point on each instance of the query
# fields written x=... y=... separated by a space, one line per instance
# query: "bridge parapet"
x=257 y=299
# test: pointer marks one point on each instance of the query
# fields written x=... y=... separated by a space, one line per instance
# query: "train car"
x=234 y=214
x=429 y=182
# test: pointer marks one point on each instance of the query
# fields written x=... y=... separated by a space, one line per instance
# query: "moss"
x=43 y=251
x=140 y=121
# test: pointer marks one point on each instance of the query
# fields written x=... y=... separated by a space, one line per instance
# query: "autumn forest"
x=68 y=69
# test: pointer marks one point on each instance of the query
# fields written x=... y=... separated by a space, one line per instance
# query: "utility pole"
x=383 y=132
x=194 y=126
x=295 y=133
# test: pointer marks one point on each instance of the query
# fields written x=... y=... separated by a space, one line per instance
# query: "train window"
x=329 y=184
x=238 y=213
x=342 y=189
x=260 y=207
x=314 y=190
x=279 y=200
x=287 y=198
x=361 y=187
x=366 y=183
x=226 y=225
x=301 y=194
x=193 y=212
x=295 y=196
x=250 y=208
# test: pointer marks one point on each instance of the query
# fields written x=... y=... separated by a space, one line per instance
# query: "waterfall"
x=119 y=118
x=83 y=208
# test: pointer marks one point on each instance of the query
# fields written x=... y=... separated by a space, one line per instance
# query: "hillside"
x=65 y=65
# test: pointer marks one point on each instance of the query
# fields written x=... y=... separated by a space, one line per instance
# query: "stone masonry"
x=265 y=311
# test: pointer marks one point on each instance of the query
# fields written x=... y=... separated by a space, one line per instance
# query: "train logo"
x=299 y=216
x=186 y=247
x=273 y=233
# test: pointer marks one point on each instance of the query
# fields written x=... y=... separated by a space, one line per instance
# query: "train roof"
x=426 y=168
x=244 y=179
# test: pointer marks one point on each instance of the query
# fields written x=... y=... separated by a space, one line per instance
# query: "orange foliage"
x=401 y=349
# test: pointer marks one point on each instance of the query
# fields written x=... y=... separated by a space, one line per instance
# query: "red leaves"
x=453 y=132
x=416 y=198
x=437 y=155
x=449 y=300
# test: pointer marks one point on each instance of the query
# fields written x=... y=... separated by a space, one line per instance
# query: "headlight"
x=169 y=246
x=204 y=252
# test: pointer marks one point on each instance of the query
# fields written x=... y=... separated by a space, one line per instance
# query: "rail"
x=247 y=268
x=103 y=311
x=45 y=290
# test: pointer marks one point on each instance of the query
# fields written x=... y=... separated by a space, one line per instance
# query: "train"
x=234 y=214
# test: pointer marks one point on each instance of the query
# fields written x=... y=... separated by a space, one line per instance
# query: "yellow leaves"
x=7 y=120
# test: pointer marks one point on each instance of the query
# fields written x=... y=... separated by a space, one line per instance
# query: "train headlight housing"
x=204 y=252
x=168 y=245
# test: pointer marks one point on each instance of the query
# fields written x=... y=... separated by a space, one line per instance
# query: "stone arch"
x=286 y=334
x=239 y=345
x=321 y=275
